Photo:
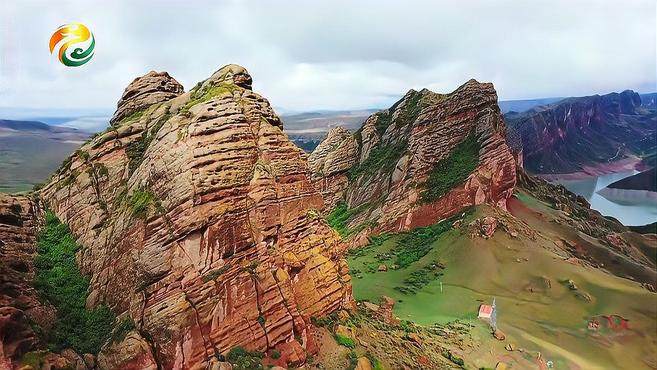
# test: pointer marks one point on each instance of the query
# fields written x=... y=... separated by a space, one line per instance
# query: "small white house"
x=486 y=311
x=489 y=313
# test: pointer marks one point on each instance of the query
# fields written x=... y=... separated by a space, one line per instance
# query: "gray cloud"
x=333 y=54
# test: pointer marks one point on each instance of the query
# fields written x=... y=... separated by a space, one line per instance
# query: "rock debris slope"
x=198 y=220
x=423 y=159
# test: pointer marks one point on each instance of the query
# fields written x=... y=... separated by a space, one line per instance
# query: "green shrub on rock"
x=345 y=341
x=241 y=359
x=60 y=282
x=453 y=170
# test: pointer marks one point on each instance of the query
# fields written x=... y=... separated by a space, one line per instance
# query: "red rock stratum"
x=198 y=220
x=385 y=170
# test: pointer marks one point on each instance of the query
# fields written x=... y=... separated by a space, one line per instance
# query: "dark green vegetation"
x=382 y=158
x=34 y=359
x=376 y=364
x=453 y=170
x=241 y=359
x=122 y=329
x=416 y=243
x=454 y=358
x=383 y=120
x=352 y=357
x=418 y=279
x=340 y=216
x=375 y=241
x=404 y=256
x=328 y=321
x=407 y=115
x=60 y=282
x=412 y=109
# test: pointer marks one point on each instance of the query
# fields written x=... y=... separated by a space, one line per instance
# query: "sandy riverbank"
x=627 y=164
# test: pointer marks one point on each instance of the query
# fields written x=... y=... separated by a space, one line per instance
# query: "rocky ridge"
x=384 y=170
x=584 y=134
x=199 y=222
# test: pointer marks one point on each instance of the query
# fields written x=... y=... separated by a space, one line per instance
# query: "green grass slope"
x=538 y=311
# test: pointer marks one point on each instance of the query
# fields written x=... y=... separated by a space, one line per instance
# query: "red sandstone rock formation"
x=19 y=303
x=336 y=154
x=198 y=220
x=145 y=91
x=410 y=137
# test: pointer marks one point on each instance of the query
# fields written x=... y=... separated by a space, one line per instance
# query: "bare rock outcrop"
x=386 y=174
x=336 y=154
x=133 y=352
x=198 y=220
x=143 y=92
x=19 y=301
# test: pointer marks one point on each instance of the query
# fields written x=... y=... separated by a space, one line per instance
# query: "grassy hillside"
x=538 y=309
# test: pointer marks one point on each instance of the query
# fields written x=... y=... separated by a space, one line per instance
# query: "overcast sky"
x=306 y=55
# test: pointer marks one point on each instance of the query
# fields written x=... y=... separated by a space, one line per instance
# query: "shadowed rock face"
x=420 y=130
x=337 y=153
x=199 y=221
x=577 y=134
x=19 y=303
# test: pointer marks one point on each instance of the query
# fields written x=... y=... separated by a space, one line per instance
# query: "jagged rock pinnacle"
x=231 y=73
x=151 y=88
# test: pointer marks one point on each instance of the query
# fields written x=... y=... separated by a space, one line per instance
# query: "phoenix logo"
x=76 y=44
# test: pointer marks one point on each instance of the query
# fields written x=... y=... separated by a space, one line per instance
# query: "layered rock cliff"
x=19 y=301
x=423 y=159
x=199 y=222
x=584 y=134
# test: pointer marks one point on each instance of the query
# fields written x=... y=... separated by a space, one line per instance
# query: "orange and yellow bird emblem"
x=75 y=35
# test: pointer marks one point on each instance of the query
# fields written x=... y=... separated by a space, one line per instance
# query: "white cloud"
x=333 y=54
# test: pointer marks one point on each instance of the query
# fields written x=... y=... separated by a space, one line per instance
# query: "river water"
x=634 y=212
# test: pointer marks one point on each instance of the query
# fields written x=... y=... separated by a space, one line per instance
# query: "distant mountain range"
x=307 y=129
x=585 y=134
x=526 y=104
x=90 y=120
x=30 y=151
